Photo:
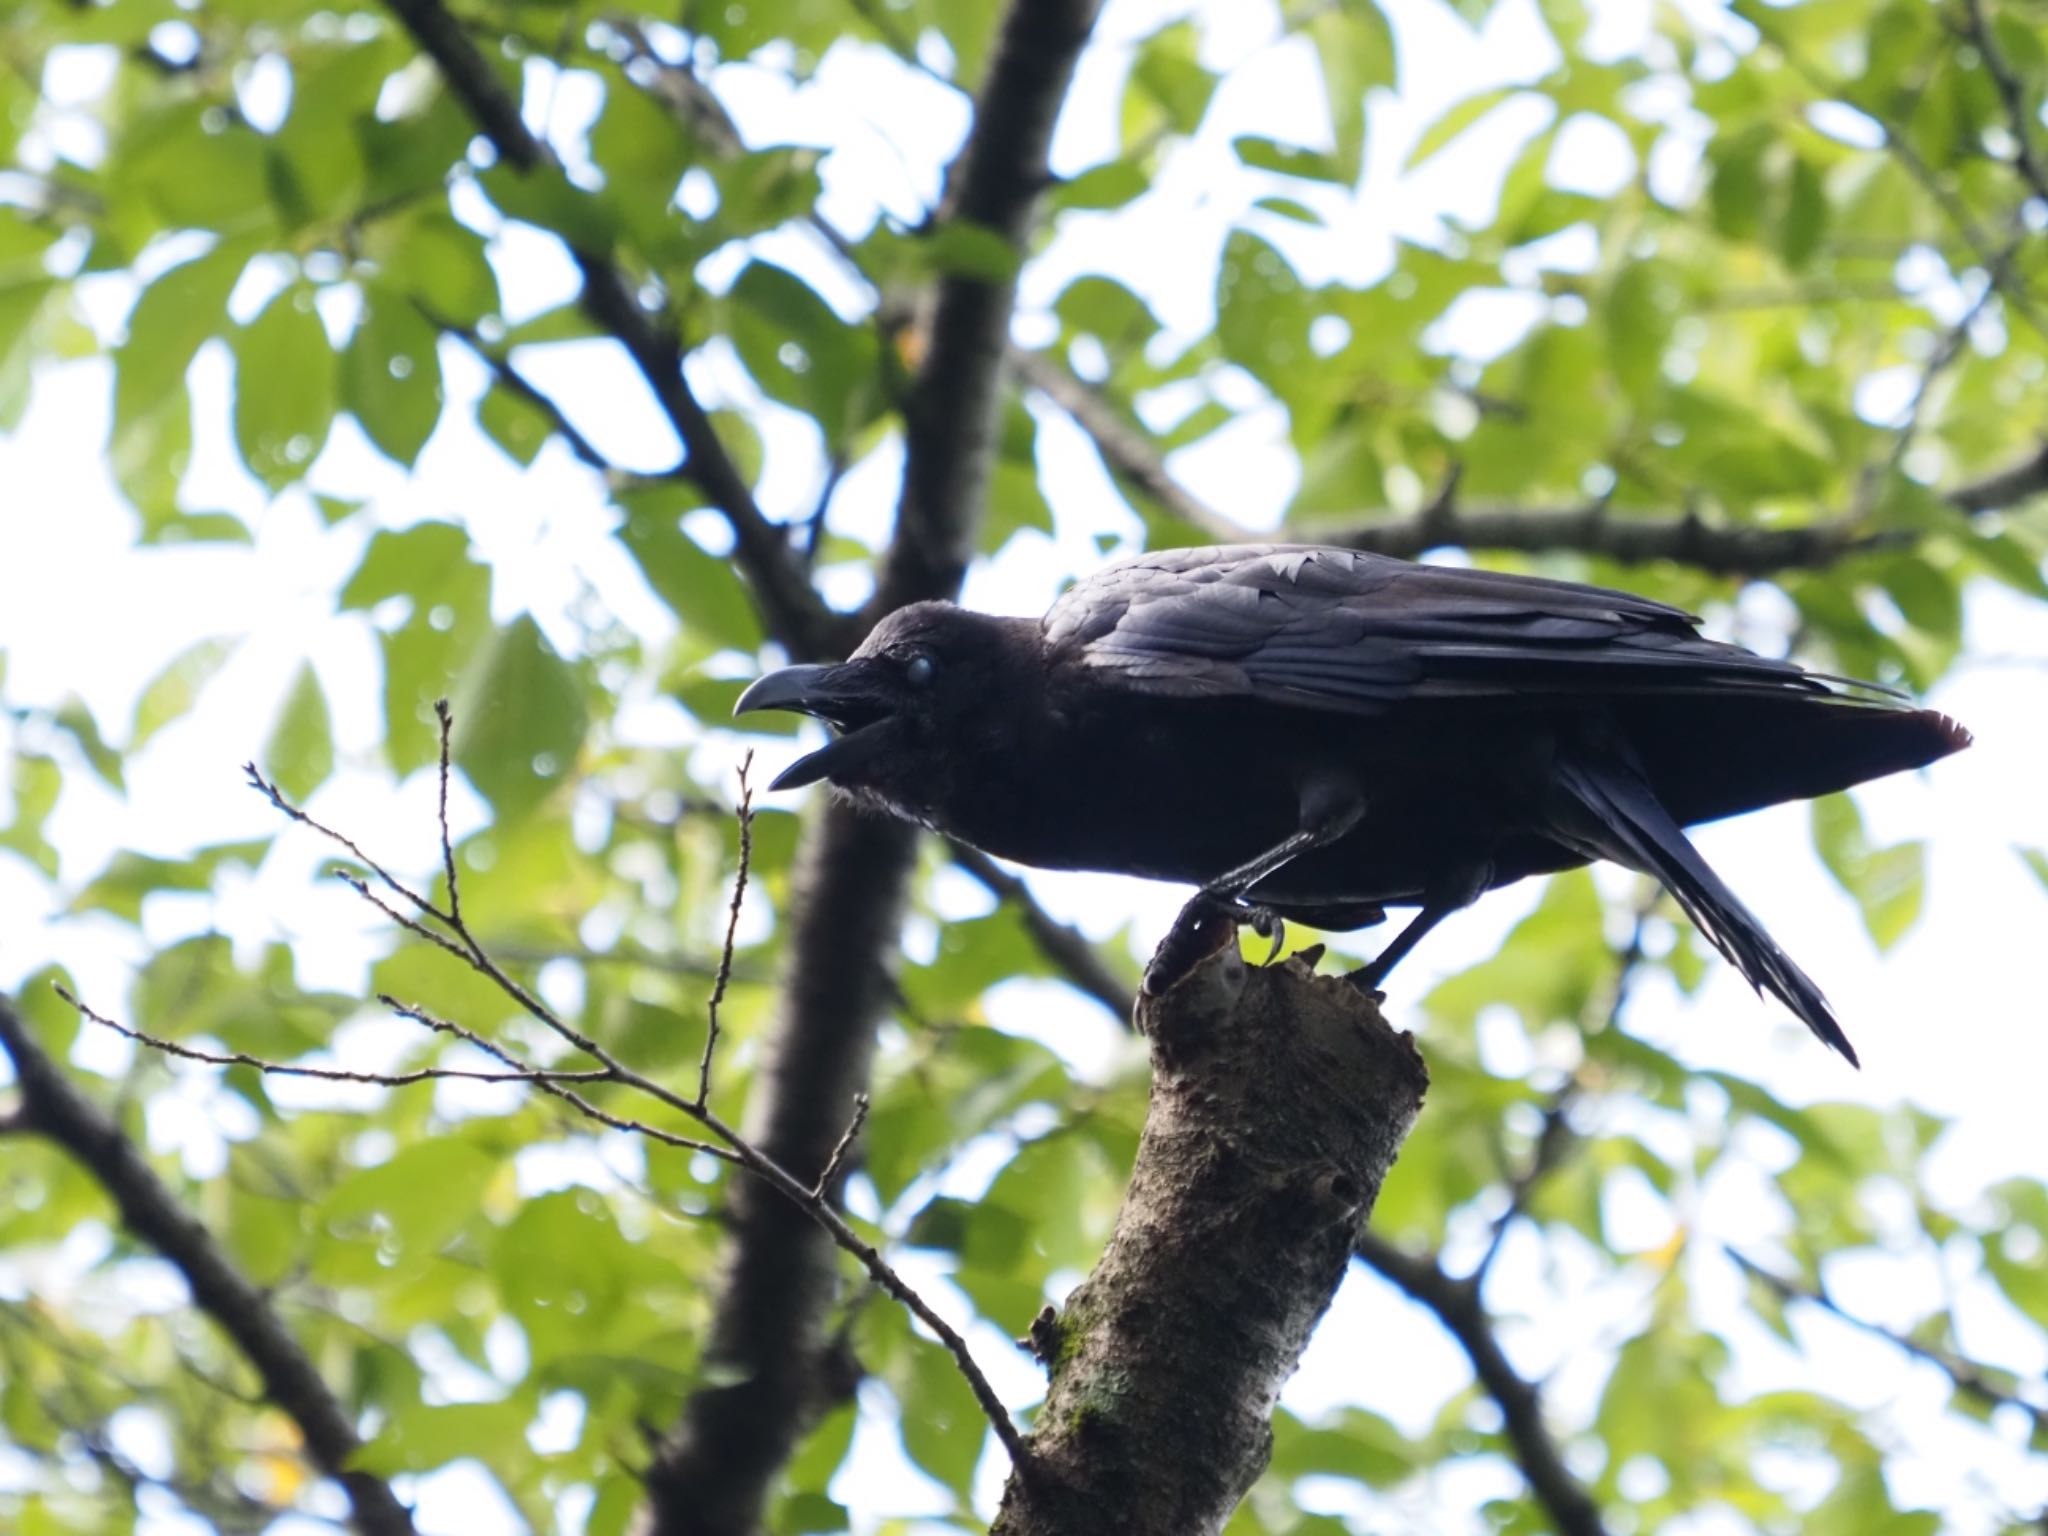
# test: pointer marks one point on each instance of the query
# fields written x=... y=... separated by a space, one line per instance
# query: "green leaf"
x=284 y=388
x=962 y=248
x=1262 y=312
x=1111 y=184
x=420 y=1197
x=122 y=886
x=26 y=308
x=152 y=430
x=2036 y=860
x=520 y=718
x=1287 y=159
x=1168 y=90
x=441 y=263
x=37 y=781
x=195 y=166
x=801 y=353
x=77 y=722
x=391 y=373
x=173 y=691
x=316 y=165
x=422 y=1436
x=1889 y=884
x=514 y=423
x=639 y=143
x=1439 y=134
x=300 y=753
x=1351 y=1443
x=1736 y=192
x=702 y=590
x=443 y=598
x=1804 y=224
x=1355 y=47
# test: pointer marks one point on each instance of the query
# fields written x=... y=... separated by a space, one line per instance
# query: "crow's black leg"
x=1330 y=807
x=1438 y=905
x=1367 y=977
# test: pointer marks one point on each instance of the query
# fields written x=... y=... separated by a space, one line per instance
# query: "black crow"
x=1319 y=734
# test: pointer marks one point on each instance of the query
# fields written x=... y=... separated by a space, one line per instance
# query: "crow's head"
x=921 y=696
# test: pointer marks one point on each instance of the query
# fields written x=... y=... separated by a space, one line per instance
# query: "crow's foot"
x=1207 y=923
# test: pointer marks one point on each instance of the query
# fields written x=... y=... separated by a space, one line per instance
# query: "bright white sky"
x=1950 y=1019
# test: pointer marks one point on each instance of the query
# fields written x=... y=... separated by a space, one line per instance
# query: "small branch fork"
x=445 y=927
x=1970 y=1378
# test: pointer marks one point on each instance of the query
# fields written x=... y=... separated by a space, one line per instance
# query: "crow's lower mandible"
x=1319 y=734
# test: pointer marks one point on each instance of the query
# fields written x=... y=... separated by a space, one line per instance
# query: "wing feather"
x=1346 y=630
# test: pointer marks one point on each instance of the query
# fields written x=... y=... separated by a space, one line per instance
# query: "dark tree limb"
x=1069 y=950
x=793 y=611
x=1723 y=549
x=951 y=414
x=1126 y=447
x=712 y=1474
x=2012 y=92
x=1458 y=1306
x=52 y=1106
x=1593 y=528
x=1279 y=1101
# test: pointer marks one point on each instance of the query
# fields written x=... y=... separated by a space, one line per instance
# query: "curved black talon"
x=1203 y=926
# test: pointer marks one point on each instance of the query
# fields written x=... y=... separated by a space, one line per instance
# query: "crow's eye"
x=921 y=669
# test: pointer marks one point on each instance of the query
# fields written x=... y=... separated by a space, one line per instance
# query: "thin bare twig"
x=276 y=797
x=325 y=1074
x=726 y=1142
x=847 y=1138
x=744 y=814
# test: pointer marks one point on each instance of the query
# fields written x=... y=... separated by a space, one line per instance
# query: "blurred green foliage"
x=1699 y=342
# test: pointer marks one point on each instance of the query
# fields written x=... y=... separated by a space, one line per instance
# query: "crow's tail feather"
x=1644 y=836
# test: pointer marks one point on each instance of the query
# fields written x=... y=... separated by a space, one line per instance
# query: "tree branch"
x=1592 y=528
x=52 y=1106
x=445 y=926
x=1279 y=1101
x=2013 y=94
x=1996 y=260
x=1458 y=1306
x=712 y=1476
x=951 y=415
x=1971 y=1379
x=1066 y=947
x=794 y=612
x=1126 y=447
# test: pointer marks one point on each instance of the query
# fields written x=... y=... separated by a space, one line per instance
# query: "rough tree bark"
x=1279 y=1101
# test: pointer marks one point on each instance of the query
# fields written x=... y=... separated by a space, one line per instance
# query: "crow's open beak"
x=846 y=696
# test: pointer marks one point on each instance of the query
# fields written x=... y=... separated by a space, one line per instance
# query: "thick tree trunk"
x=1279 y=1101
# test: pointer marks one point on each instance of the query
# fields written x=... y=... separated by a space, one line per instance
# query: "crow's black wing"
x=1341 y=629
